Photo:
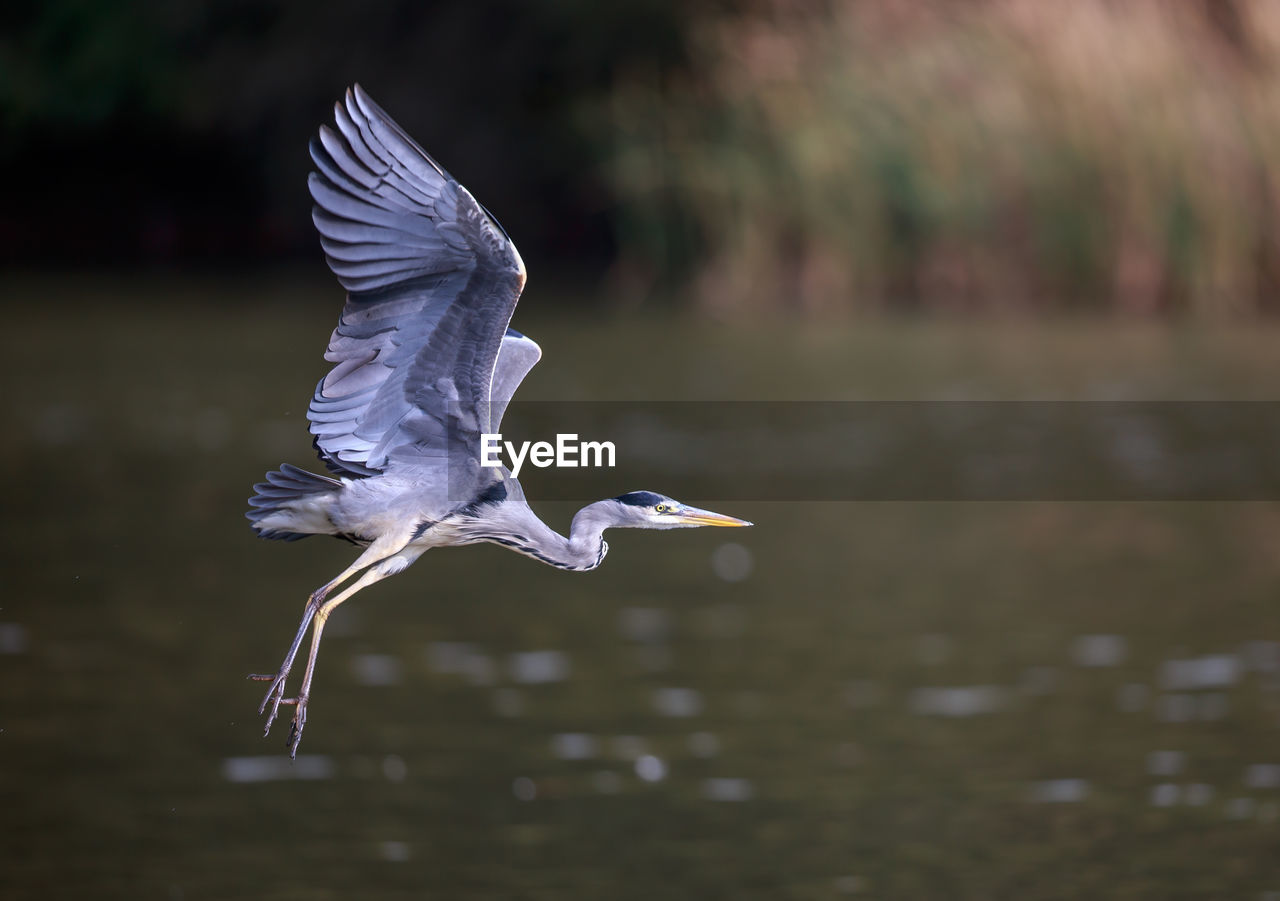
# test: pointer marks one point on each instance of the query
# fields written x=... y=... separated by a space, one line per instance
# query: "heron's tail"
x=291 y=504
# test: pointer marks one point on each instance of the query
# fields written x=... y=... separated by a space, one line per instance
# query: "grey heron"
x=424 y=363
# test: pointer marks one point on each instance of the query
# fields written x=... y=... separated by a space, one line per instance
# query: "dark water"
x=898 y=699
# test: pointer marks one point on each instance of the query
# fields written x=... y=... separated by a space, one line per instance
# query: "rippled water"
x=975 y=700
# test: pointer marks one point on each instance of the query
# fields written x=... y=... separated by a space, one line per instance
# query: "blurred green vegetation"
x=991 y=155
x=749 y=156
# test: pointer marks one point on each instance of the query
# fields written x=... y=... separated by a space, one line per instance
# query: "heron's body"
x=424 y=363
x=400 y=511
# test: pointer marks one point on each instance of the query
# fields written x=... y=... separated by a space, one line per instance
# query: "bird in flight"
x=424 y=363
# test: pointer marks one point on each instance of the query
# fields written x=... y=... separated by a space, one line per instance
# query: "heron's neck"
x=584 y=548
x=586 y=534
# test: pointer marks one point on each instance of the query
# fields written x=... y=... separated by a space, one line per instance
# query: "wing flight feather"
x=422 y=346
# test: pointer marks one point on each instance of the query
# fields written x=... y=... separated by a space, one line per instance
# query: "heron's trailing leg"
x=321 y=615
x=275 y=694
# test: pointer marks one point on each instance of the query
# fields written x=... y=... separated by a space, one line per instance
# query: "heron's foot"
x=299 y=720
x=274 y=696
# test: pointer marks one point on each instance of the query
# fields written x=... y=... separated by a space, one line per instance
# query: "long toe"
x=273 y=699
x=271 y=718
x=295 y=729
x=274 y=693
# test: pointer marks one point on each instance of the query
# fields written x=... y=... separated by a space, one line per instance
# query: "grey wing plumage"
x=516 y=357
x=432 y=282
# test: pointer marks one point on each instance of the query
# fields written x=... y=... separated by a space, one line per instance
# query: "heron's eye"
x=661 y=508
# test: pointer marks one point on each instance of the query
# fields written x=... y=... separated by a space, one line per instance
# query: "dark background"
x=175 y=133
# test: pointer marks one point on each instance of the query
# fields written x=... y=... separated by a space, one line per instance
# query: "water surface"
x=895 y=699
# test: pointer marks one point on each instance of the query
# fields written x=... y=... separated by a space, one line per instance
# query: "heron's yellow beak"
x=694 y=517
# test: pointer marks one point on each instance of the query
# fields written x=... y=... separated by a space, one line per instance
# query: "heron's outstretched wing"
x=432 y=281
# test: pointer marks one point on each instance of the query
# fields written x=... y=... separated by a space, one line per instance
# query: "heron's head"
x=649 y=510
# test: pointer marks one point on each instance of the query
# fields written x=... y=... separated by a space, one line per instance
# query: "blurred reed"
x=988 y=155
